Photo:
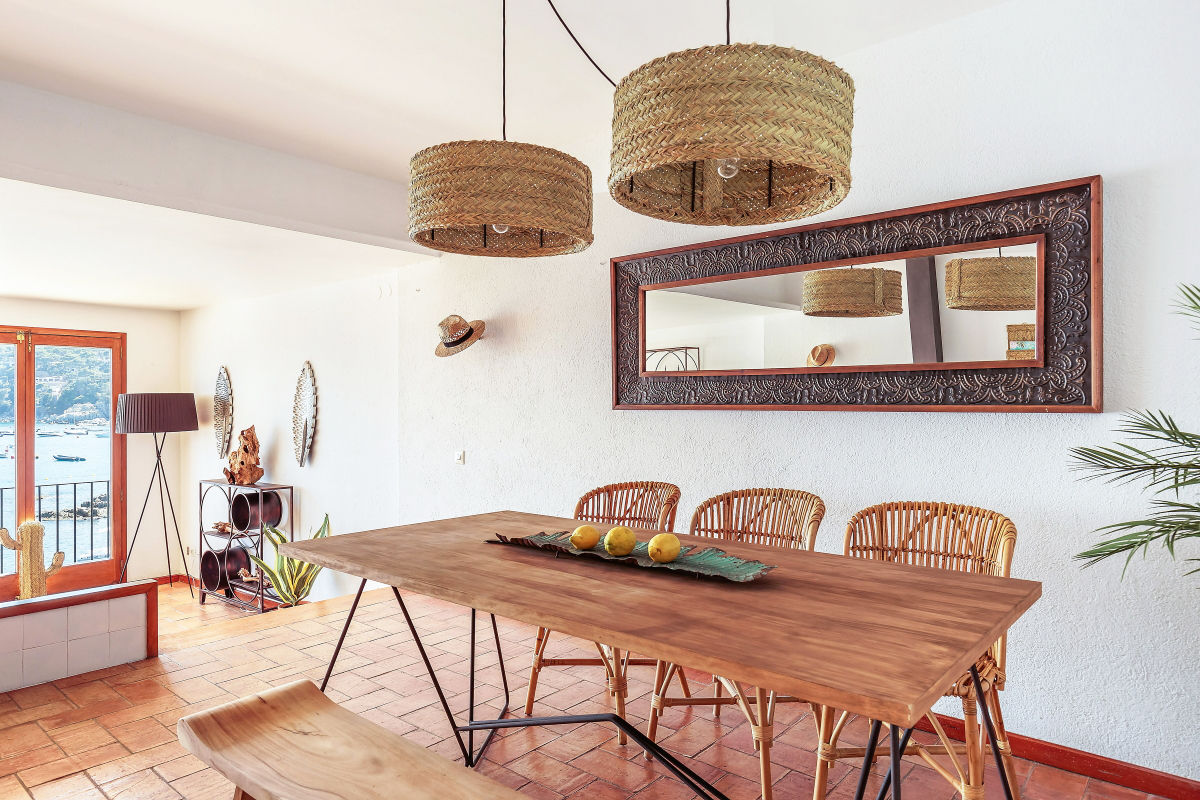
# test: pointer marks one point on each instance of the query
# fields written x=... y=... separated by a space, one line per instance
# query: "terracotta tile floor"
x=110 y=734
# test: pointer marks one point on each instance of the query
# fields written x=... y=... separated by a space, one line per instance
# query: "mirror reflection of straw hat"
x=457 y=334
x=821 y=356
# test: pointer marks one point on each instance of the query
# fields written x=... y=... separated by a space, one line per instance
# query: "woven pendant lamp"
x=873 y=292
x=1003 y=283
x=734 y=134
x=499 y=198
x=489 y=198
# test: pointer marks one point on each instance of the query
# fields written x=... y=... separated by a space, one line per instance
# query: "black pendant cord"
x=580 y=46
x=588 y=56
x=504 y=70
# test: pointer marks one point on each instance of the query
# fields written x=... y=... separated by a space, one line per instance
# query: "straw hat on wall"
x=457 y=334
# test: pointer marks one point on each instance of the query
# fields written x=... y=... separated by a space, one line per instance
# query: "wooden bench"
x=294 y=743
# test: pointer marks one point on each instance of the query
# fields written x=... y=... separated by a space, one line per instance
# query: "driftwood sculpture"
x=243 y=466
x=31 y=568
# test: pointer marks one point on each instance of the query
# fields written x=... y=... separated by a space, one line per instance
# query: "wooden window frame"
x=92 y=573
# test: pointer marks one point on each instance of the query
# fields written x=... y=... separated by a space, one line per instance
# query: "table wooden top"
x=884 y=640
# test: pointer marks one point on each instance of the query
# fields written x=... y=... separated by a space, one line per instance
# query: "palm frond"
x=1171 y=522
x=1189 y=303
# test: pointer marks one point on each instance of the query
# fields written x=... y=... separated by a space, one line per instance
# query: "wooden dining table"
x=873 y=638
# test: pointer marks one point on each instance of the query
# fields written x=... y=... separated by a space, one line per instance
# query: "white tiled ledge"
x=67 y=634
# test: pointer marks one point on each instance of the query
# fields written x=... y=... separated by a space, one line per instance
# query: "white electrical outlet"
x=460 y=457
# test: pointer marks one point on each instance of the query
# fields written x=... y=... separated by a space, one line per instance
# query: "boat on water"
x=48 y=433
x=75 y=432
x=60 y=457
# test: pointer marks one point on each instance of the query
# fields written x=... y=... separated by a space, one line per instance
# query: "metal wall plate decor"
x=1065 y=217
x=304 y=414
x=223 y=412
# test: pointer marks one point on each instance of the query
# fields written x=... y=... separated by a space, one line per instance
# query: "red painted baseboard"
x=1122 y=773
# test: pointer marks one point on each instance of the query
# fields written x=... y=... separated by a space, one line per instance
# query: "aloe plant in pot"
x=291 y=579
x=1162 y=456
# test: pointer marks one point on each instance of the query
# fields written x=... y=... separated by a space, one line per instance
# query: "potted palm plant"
x=1163 y=457
x=292 y=580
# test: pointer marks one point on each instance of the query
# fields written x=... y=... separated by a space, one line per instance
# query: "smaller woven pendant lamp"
x=873 y=292
x=499 y=198
x=1003 y=283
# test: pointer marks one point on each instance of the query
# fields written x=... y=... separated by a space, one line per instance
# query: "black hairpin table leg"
x=898 y=748
x=471 y=756
x=991 y=732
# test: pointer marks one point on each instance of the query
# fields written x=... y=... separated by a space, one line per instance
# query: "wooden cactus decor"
x=32 y=571
x=244 y=469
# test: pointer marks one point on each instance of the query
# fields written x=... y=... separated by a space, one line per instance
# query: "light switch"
x=460 y=457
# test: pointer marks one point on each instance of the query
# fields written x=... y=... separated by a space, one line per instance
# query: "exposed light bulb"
x=728 y=167
x=500 y=227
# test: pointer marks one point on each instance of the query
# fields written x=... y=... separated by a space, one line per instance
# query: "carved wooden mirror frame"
x=1066 y=219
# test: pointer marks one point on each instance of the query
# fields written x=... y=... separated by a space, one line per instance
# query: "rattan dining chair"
x=638 y=504
x=777 y=517
x=945 y=536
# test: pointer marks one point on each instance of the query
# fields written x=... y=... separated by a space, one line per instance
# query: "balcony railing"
x=76 y=518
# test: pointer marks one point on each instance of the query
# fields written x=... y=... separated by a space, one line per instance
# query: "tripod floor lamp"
x=157 y=413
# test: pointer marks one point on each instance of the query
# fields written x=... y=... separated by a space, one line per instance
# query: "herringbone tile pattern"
x=110 y=734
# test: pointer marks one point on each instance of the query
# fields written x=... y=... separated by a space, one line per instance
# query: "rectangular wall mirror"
x=967 y=306
x=990 y=303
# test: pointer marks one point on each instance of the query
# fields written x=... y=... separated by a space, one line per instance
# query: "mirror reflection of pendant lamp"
x=873 y=292
x=157 y=413
x=992 y=284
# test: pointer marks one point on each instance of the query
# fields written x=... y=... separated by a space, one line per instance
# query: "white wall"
x=348 y=331
x=1026 y=93
x=152 y=365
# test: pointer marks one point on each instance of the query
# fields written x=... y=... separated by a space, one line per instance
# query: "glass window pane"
x=73 y=449
x=8 y=451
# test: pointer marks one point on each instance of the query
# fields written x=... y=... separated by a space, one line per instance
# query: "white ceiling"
x=363 y=84
x=357 y=84
x=64 y=245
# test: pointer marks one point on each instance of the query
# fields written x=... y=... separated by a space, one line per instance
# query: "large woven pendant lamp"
x=873 y=292
x=733 y=134
x=499 y=198
x=992 y=284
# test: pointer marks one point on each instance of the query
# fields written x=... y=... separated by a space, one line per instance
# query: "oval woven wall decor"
x=304 y=414
x=541 y=198
x=223 y=412
x=784 y=114
x=873 y=292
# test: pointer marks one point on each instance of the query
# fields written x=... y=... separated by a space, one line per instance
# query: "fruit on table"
x=619 y=541
x=664 y=548
x=585 y=537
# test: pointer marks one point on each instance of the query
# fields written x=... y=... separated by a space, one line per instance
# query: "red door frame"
x=27 y=339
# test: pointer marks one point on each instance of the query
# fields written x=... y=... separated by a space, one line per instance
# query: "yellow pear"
x=664 y=548
x=620 y=541
x=585 y=537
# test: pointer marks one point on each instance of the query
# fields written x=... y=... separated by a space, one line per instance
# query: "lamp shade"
x=870 y=292
x=1002 y=283
x=739 y=134
x=499 y=198
x=156 y=412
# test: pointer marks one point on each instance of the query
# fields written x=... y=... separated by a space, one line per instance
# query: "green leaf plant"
x=1161 y=456
x=291 y=578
